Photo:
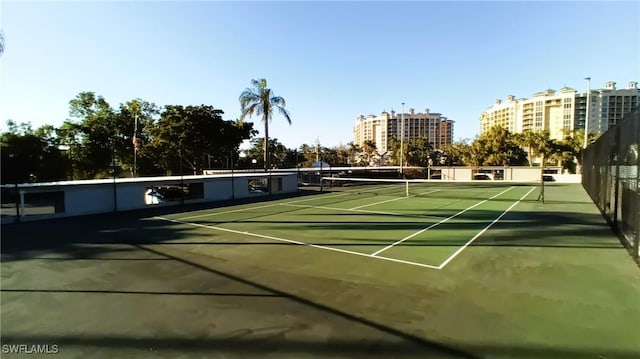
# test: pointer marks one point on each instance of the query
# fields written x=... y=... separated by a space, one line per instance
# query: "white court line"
x=336 y=208
x=339 y=194
x=437 y=224
x=481 y=232
x=250 y=208
x=380 y=202
x=357 y=210
x=315 y=197
x=390 y=200
x=433 y=191
x=225 y=212
x=296 y=242
x=268 y=205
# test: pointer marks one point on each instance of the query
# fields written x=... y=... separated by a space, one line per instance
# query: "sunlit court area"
x=355 y=269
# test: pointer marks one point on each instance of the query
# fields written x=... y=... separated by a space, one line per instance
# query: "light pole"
x=586 y=116
x=135 y=143
x=402 y=143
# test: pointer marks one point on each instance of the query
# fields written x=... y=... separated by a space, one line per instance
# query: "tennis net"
x=417 y=187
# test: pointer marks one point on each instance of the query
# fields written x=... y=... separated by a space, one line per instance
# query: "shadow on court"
x=125 y=285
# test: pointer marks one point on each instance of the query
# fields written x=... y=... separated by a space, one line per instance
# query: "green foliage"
x=190 y=138
x=281 y=156
x=29 y=156
x=95 y=131
x=2 y=42
x=307 y=155
x=418 y=152
x=355 y=154
x=498 y=147
x=369 y=150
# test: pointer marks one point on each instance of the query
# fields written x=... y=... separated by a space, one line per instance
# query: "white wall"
x=456 y=173
x=93 y=197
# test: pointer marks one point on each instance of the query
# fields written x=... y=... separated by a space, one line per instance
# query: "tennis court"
x=359 y=270
x=427 y=227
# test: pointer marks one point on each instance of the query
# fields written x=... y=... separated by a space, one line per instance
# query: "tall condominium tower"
x=379 y=129
x=563 y=111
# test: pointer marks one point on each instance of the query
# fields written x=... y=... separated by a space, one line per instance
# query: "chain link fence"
x=611 y=177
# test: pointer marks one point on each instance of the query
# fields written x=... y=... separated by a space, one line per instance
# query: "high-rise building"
x=380 y=129
x=561 y=112
x=503 y=114
x=609 y=105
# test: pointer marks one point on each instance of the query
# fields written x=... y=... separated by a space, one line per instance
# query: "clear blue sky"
x=331 y=61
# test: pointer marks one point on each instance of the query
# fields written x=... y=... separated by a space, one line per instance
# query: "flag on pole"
x=135 y=142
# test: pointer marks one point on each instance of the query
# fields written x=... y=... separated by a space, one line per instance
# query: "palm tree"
x=354 y=153
x=369 y=148
x=527 y=139
x=259 y=100
x=1 y=42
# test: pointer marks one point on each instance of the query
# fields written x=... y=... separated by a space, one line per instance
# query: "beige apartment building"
x=563 y=111
x=380 y=129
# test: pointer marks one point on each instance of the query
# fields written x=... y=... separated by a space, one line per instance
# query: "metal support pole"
x=402 y=143
x=233 y=187
x=297 y=172
x=113 y=169
x=586 y=116
x=20 y=205
x=181 y=177
x=135 y=145
x=320 y=174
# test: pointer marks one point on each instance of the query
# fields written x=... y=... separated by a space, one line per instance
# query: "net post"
x=407 y=187
x=541 y=195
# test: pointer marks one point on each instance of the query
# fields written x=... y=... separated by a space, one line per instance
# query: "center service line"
x=482 y=231
x=437 y=224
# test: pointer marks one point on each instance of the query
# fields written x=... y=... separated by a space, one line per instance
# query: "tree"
x=195 y=136
x=30 y=156
x=1 y=42
x=500 y=148
x=394 y=146
x=419 y=151
x=355 y=153
x=369 y=148
x=281 y=156
x=342 y=155
x=307 y=155
x=69 y=135
x=537 y=143
x=260 y=100
x=575 y=142
x=136 y=117
x=330 y=156
x=97 y=133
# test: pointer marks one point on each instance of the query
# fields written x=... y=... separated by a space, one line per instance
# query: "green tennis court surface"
x=356 y=271
x=423 y=231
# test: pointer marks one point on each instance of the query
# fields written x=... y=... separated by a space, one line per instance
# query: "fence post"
x=636 y=234
x=18 y=203
x=616 y=182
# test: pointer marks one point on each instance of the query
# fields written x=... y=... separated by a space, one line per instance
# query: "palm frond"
x=284 y=113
